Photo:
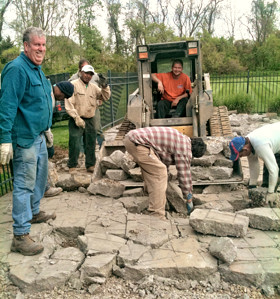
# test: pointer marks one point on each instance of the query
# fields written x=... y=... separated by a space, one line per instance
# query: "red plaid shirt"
x=172 y=147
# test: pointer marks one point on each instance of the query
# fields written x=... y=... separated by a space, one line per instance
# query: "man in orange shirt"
x=175 y=87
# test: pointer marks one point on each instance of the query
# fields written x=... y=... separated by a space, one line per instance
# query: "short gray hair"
x=32 y=31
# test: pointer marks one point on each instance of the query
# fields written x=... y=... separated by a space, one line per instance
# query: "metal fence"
x=262 y=87
x=114 y=110
x=6 y=178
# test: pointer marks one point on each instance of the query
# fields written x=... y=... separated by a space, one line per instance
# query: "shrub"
x=242 y=102
x=274 y=105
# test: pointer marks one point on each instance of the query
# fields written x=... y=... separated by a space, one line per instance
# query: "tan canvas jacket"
x=83 y=103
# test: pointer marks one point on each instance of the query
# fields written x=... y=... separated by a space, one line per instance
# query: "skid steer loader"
x=203 y=120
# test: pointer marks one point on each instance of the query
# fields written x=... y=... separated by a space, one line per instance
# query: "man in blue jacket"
x=25 y=113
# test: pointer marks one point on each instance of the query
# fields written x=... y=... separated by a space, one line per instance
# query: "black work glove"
x=102 y=81
x=188 y=93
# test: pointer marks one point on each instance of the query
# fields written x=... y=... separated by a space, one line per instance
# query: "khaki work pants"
x=154 y=173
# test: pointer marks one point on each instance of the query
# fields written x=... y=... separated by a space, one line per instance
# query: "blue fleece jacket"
x=25 y=102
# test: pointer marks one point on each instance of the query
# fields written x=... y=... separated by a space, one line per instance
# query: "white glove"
x=6 y=153
x=80 y=122
x=271 y=198
x=49 y=138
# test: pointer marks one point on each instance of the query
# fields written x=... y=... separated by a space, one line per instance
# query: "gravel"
x=151 y=287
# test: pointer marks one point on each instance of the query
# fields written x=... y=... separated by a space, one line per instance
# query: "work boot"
x=52 y=191
x=90 y=169
x=25 y=245
x=42 y=217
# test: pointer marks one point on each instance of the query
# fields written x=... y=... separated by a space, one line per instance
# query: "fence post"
x=248 y=79
x=111 y=97
x=127 y=83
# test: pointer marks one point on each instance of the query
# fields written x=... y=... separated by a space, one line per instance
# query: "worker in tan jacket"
x=81 y=108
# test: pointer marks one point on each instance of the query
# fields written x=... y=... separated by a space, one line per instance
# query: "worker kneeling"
x=154 y=149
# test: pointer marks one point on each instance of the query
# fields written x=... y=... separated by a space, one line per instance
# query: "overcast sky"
x=239 y=8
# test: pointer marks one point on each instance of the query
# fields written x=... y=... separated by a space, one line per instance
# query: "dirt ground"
x=59 y=153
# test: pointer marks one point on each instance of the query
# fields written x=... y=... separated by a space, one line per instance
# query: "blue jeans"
x=30 y=167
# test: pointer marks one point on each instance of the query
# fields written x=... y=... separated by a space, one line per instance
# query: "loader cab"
x=164 y=66
x=157 y=58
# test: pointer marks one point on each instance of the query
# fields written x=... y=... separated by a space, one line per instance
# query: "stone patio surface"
x=94 y=237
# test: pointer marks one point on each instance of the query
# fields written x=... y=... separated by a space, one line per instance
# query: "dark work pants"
x=89 y=137
x=266 y=174
x=164 y=107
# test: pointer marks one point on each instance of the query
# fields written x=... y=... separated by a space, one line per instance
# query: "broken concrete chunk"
x=116 y=174
x=211 y=173
x=263 y=218
x=133 y=192
x=136 y=174
x=107 y=187
x=204 y=161
x=100 y=243
x=219 y=223
x=127 y=162
x=108 y=163
x=223 y=249
x=135 y=204
x=117 y=157
x=222 y=161
x=100 y=265
x=214 y=145
x=175 y=197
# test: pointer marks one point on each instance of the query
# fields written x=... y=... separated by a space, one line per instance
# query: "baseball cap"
x=88 y=68
x=236 y=145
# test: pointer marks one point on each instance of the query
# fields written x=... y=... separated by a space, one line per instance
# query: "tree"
x=191 y=15
x=46 y=14
x=261 y=23
x=212 y=13
x=114 y=11
x=3 y=8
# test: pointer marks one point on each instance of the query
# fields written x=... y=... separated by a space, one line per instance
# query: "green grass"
x=260 y=89
x=61 y=134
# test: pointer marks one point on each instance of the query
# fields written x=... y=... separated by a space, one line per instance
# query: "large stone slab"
x=106 y=215
x=100 y=265
x=211 y=173
x=130 y=253
x=180 y=258
x=116 y=174
x=253 y=273
x=33 y=277
x=263 y=218
x=257 y=262
x=149 y=230
x=98 y=243
x=219 y=223
x=238 y=199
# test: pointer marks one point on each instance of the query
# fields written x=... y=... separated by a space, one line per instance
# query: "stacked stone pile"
x=214 y=165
